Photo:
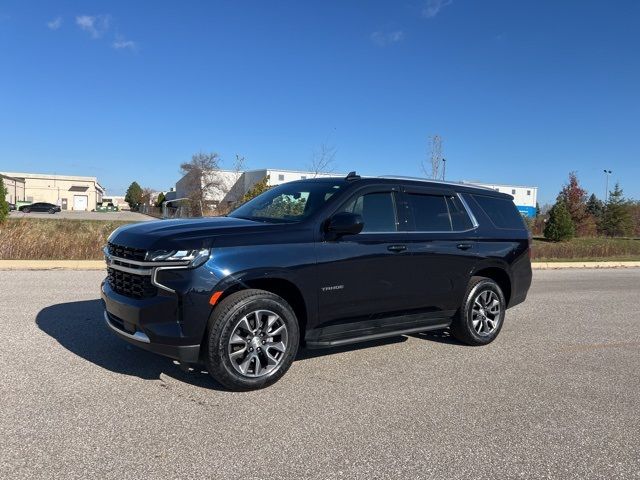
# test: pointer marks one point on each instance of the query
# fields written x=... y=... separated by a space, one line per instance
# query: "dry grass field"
x=64 y=239
x=586 y=249
x=46 y=239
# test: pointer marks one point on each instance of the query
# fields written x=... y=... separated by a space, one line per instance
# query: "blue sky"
x=521 y=91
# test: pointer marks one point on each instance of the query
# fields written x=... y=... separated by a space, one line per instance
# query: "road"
x=555 y=396
x=125 y=216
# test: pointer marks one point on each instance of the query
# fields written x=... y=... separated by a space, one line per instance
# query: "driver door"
x=364 y=276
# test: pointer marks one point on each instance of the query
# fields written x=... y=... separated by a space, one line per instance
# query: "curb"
x=565 y=265
x=52 y=265
x=100 y=265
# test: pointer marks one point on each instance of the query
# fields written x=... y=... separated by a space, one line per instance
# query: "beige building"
x=14 y=188
x=69 y=192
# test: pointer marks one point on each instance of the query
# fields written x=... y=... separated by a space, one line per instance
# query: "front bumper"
x=150 y=324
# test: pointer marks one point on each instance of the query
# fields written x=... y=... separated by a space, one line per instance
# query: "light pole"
x=606 y=188
x=444 y=167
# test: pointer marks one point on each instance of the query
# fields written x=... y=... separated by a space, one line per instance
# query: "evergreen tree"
x=560 y=226
x=595 y=206
x=160 y=199
x=537 y=209
x=575 y=199
x=260 y=187
x=4 y=205
x=616 y=219
x=134 y=195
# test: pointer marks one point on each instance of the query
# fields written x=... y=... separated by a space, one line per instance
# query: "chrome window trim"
x=472 y=217
x=474 y=222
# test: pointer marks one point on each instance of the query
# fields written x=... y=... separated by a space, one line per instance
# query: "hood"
x=193 y=233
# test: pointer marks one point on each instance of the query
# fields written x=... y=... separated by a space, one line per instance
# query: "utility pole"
x=444 y=168
x=606 y=188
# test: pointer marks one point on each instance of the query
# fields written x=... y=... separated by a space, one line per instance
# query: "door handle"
x=397 y=248
x=464 y=246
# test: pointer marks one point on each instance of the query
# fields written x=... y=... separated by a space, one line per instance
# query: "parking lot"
x=556 y=396
x=125 y=216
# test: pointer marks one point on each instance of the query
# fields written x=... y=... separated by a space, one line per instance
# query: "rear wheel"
x=481 y=315
x=252 y=341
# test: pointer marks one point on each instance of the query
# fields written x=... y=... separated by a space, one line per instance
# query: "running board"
x=346 y=340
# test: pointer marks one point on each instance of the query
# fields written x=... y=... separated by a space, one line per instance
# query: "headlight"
x=194 y=257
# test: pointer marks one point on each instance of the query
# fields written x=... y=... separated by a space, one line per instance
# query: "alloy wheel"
x=486 y=312
x=258 y=343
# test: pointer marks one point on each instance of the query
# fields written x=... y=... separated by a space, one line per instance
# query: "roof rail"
x=418 y=179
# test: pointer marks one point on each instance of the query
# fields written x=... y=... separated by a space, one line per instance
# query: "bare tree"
x=431 y=165
x=202 y=179
x=146 y=196
x=322 y=159
x=231 y=189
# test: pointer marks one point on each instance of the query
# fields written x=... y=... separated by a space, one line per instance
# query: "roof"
x=12 y=178
x=47 y=175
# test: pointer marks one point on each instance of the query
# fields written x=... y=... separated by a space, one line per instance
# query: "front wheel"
x=52 y=211
x=252 y=340
x=26 y=210
x=481 y=315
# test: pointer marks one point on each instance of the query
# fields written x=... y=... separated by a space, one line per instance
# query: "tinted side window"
x=503 y=212
x=430 y=212
x=459 y=216
x=378 y=211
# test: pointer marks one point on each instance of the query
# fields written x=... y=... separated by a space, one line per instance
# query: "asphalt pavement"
x=555 y=396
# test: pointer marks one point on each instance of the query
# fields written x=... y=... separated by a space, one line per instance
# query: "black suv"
x=320 y=262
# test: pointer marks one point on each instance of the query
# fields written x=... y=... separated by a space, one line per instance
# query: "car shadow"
x=79 y=327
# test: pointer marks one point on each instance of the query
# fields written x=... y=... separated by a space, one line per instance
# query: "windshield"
x=289 y=202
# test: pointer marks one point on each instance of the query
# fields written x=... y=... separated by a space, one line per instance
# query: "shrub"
x=4 y=206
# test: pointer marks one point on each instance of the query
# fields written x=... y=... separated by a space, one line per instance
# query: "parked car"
x=319 y=263
x=40 y=207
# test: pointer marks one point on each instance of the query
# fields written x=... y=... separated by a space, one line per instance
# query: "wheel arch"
x=499 y=275
x=278 y=285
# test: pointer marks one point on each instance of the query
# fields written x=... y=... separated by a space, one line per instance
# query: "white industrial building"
x=524 y=197
x=230 y=185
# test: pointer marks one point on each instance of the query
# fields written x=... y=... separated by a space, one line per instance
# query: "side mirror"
x=345 y=223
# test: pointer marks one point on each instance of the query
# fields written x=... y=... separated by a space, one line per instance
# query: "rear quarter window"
x=502 y=212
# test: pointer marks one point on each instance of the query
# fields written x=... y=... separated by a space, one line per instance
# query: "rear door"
x=441 y=237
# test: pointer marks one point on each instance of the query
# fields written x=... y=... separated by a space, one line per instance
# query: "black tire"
x=462 y=327
x=52 y=211
x=25 y=210
x=222 y=323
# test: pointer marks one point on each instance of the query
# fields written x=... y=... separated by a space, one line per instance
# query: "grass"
x=65 y=239
x=586 y=249
x=47 y=239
